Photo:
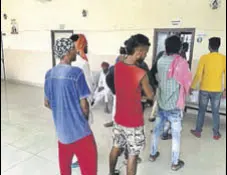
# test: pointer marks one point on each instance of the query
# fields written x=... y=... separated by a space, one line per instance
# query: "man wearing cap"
x=102 y=91
x=210 y=73
x=81 y=45
x=66 y=93
x=82 y=62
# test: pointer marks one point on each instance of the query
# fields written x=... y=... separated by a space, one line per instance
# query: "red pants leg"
x=65 y=153
x=86 y=152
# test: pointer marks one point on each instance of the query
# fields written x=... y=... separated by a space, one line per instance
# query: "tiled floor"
x=29 y=144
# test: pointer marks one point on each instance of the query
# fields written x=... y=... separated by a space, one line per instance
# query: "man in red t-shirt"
x=129 y=81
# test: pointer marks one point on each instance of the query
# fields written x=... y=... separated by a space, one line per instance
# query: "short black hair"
x=214 y=43
x=185 y=46
x=173 y=45
x=74 y=37
x=122 y=51
x=136 y=41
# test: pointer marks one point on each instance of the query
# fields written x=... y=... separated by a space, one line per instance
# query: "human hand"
x=224 y=94
x=191 y=91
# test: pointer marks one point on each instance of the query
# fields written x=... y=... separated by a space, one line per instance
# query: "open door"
x=186 y=35
x=57 y=34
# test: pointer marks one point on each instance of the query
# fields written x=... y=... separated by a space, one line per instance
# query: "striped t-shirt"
x=168 y=91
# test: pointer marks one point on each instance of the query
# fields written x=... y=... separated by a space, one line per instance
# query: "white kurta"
x=105 y=93
x=84 y=65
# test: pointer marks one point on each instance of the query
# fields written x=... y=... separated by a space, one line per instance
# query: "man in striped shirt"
x=168 y=93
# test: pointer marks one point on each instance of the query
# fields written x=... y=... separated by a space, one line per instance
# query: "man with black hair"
x=167 y=98
x=110 y=83
x=210 y=73
x=128 y=130
x=184 y=50
x=154 y=83
x=81 y=46
x=82 y=62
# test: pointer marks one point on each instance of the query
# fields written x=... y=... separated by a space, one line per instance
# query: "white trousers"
x=98 y=96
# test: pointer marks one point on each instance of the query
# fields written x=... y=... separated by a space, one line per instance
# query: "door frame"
x=53 y=32
x=155 y=38
x=3 y=58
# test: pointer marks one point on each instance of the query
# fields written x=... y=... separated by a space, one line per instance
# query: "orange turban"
x=81 y=43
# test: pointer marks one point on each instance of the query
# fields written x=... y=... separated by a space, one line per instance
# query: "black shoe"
x=166 y=137
x=116 y=172
x=178 y=166
x=152 y=119
x=109 y=124
x=153 y=158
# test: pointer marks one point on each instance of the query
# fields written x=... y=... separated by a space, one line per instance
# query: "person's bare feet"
x=109 y=124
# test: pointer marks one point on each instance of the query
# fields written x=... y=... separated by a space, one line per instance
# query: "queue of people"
x=70 y=94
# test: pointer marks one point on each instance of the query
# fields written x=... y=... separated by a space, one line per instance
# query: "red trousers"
x=86 y=153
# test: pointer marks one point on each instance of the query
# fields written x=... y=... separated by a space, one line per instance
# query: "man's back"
x=168 y=88
x=64 y=87
x=127 y=79
x=211 y=69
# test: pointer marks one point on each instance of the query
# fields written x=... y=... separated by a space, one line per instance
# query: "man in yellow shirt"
x=210 y=73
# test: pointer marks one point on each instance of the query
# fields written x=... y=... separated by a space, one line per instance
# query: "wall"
x=109 y=23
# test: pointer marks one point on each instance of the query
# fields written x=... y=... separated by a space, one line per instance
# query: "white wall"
x=109 y=23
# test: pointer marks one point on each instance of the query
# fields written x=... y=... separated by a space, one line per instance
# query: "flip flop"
x=75 y=165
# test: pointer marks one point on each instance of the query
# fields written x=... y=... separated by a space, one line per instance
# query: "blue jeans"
x=175 y=118
x=215 y=99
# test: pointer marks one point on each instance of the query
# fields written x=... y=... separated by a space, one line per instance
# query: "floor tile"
x=34 y=166
x=11 y=156
x=29 y=143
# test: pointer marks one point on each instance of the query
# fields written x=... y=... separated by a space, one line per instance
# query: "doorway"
x=3 y=71
x=186 y=34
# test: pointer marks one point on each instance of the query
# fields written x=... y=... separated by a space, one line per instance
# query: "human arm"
x=198 y=74
x=152 y=75
x=100 y=83
x=147 y=89
x=46 y=103
x=84 y=92
x=46 y=92
x=85 y=107
x=110 y=79
x=224 y=92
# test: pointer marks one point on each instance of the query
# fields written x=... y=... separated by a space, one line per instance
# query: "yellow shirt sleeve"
x=225 y=73
x=199 y=73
